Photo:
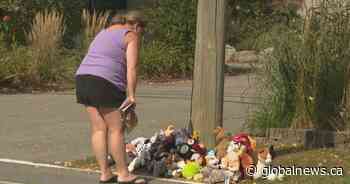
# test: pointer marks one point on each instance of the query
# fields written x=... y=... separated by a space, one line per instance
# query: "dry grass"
x=45 y=40
x=93 y=22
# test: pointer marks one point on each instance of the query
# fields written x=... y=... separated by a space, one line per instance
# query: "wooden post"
x=208 y=82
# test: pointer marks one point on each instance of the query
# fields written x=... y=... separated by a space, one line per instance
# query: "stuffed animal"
x=190 y=170
x=184 y=150
x=198 y=158
x=244 y=139
x=265 y=160
x=195 y=136
x=232 y=161
x=222 y=142
x=211 y=160
x=181 y=136
x=246 y=162
x=241 y=145
x=211 y=175
x=169 y=131
x=198 y=177
x=196 y=147
x=159 y=167
x=142 y=147
x=180 y=165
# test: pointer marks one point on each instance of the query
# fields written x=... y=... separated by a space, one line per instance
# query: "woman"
x=105 y=79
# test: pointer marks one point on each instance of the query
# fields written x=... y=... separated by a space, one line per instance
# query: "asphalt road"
x=51 y=127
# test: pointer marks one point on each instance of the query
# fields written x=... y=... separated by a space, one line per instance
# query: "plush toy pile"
x=178 y=154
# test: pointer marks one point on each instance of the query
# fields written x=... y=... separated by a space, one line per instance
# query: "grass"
x=45 y=40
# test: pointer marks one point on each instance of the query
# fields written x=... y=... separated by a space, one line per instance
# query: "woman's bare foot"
x=131 y=179
x=106 y=176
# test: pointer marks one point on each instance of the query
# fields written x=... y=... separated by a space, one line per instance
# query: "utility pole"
x=92 y=5
x=208 y=79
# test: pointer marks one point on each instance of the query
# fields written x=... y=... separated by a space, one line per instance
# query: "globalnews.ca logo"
x=296 y=171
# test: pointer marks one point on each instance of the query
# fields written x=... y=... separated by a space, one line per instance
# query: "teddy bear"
x=222 y=141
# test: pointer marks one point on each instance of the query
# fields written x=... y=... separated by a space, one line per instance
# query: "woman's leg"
x=116 y=138
x=112 y=118
x=99 y=141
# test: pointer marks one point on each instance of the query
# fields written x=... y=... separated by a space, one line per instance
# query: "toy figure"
x=184 y=150
x=142 y=147
x=222 y=142
x=231 y=163
x=169 y=131
x=243 y=139
x=181 y=136
x=211 y=160
x=265 y=160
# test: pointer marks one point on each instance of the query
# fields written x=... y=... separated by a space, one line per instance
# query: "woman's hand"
x=132 y=99
x=129 y=101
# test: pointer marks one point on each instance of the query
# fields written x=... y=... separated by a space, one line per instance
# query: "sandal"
x=137 y=180
x=114 y=179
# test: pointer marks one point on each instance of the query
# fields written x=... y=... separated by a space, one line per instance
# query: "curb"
x=42 y=165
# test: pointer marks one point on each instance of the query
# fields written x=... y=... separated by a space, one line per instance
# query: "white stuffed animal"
x=264 y=161
x=142 y=146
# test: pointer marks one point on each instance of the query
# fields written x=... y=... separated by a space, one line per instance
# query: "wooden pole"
x=208 y=82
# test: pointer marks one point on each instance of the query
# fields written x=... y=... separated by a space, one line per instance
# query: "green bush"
x=169 y=49
x=159 y=61
x=23 y=11
x=14 y=67
x=249 y=20
x=306 y=78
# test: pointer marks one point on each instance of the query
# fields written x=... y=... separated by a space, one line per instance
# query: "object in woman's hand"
x=129 y=117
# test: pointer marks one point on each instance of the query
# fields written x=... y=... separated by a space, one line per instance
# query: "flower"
x=6 y=18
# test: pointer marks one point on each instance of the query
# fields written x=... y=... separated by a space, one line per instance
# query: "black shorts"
x=98 y=92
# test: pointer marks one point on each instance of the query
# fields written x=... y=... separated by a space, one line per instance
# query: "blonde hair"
x=130 y=17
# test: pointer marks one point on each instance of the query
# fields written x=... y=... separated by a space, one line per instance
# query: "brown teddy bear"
x=222 y=142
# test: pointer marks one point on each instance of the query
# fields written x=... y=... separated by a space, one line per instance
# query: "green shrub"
x=23 y=12
x=306 y=78
x=16 y=69
x=159 y=61
x=250 y=19
x=169 y=50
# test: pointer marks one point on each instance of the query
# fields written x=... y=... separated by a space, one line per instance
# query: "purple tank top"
x=106 y=58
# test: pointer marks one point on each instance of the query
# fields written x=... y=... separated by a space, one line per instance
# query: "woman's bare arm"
x=132 y=57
